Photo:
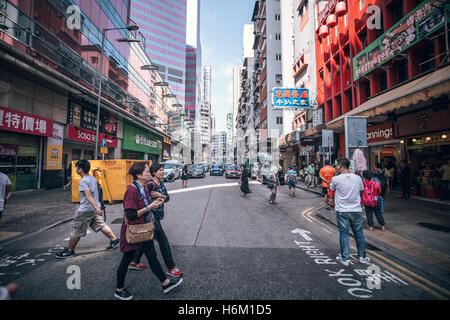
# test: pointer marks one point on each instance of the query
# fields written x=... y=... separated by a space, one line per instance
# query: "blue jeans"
x=355 y=221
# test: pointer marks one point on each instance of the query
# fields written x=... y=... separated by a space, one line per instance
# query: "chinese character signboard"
x=317 y=117
x=290 y=98
x=12 y=120
x=84 y=135
x=414 y=27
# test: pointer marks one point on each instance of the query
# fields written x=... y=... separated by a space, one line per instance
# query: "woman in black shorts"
x=184 y=177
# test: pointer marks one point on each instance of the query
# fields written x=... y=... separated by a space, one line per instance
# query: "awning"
x=432 y=85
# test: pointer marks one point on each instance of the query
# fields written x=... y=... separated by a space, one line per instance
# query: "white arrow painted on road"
x=303 y=233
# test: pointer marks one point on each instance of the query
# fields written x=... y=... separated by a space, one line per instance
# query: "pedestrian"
x=69 y=177
x=326 y=174
x=9 y=290
x=444 y=170
x=311 y=174
x=5 y=191
x=371 y=199
x=157 y=189
x=184 y=176
x=138 y=208
x=348 y=187
x=405 y=180
x=244 y=181
x=273 y=183
x=88 y=214
x=382 y=178
x=316 y=175
x=291 y=177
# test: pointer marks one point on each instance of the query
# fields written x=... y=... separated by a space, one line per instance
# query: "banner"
x=414 y=27
x=85 y=135
x=356 y=131
x=12 y=120
x=55 y=148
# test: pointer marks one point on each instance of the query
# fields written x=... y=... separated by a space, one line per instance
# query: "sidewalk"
x=417 y=231
x=30 y=211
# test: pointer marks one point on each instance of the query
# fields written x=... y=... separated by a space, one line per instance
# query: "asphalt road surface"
x=228 y=247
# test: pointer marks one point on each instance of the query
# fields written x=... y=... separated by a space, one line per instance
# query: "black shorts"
x=324 y=190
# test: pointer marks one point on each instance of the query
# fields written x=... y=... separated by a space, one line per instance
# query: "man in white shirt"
x=5 y=191
x=348 y=187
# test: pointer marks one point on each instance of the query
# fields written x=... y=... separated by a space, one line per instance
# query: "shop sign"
x=290 y=98
x=327 y=138
x=12 y=120
x=55 y=148
x=379 y=133
x=356 y=131
x=139 y=140
x=27 y=151
x=166 y=151
x=84 y=135
x=8 y=150
x=414 y=27
x=428 y=141
x=422 y=122
x=317 y=118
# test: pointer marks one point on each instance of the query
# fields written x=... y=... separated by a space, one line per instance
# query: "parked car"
x=232 y=171
x=254 y=169
x=216 y=170
x=264 y=173
x=196 y=171
x=171 y=172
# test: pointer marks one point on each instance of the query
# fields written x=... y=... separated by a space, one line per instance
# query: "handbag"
x=137 y=233
x=142 y=232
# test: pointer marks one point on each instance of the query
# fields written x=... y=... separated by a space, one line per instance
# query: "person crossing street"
x=291 y=177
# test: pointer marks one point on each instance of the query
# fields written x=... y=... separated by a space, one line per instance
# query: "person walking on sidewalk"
x=311 y=174
x=348 y=188
x=291 y=177
x=382 y=178
x=316 y=175
x=184 y=176
x=138 y=208
x=157 y=190
x=370 y=199
x=326 y=174
x=89 y=213
x=5 y=191
x=405 y=180
x=272 y=184
x=444 y=170
x=244 y=181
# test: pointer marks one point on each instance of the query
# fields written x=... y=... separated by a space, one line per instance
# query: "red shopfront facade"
x=22 y=140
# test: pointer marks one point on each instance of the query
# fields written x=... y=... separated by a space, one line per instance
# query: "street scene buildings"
x=261 y=109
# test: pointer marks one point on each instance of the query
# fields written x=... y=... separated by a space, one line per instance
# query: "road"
x=228 y=247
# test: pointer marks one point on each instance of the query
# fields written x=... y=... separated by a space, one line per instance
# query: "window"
x=367 y=89
x=94 y=60
x=383 y=81
x=277 y=36
x=279 y=120
x=277 y=16
x=339 y=104
x=349 y=99
x=362 y=4
x=278 y=57
x=338 y=64
x=402 y=71
x=363 y=38
x=426 y=58
x=279 y=77
x=397 y=12
x=346 y=20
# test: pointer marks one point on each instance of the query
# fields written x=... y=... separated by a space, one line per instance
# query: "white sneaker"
x=365 y=260
x=342 y=261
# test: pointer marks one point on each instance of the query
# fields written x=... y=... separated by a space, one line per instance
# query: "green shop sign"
x=135 y=139
x=425 y=19
x=27 y=151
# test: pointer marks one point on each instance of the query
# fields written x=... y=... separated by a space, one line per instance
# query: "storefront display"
x=383 y=147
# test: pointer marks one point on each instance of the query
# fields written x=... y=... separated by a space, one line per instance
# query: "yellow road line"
x=317 y=209
x=326 y=230
x=412 y=274
x=405 y=276
x=409 y=279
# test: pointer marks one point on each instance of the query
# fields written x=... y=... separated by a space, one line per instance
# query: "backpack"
x=369 y=197
x=291 y=177
x=380 y=177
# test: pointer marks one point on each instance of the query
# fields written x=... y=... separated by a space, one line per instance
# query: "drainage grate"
x=434 y=227
x=117 y=221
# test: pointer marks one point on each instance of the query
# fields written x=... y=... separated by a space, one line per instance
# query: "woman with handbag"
x=137 y=230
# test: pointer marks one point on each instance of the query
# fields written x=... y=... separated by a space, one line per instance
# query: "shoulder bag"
x=142 y=232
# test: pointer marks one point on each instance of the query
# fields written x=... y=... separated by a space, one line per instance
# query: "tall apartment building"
x=205 y=113
x=395 y=74
x=219 y=144
x=236 y=95
x=163 y=24
x=267 y=48
x=230 y=146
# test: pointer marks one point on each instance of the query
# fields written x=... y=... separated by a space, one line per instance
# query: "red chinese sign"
x=85 y=135
x=8 y=150
x=12 y=120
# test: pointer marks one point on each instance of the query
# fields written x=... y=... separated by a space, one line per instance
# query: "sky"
x=221 y=27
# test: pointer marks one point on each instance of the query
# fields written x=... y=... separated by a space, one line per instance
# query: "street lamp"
x=129 y=28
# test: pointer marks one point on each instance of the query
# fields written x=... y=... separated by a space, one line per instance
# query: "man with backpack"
x=291 y=177
x=382 y=178
x=370 y=199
